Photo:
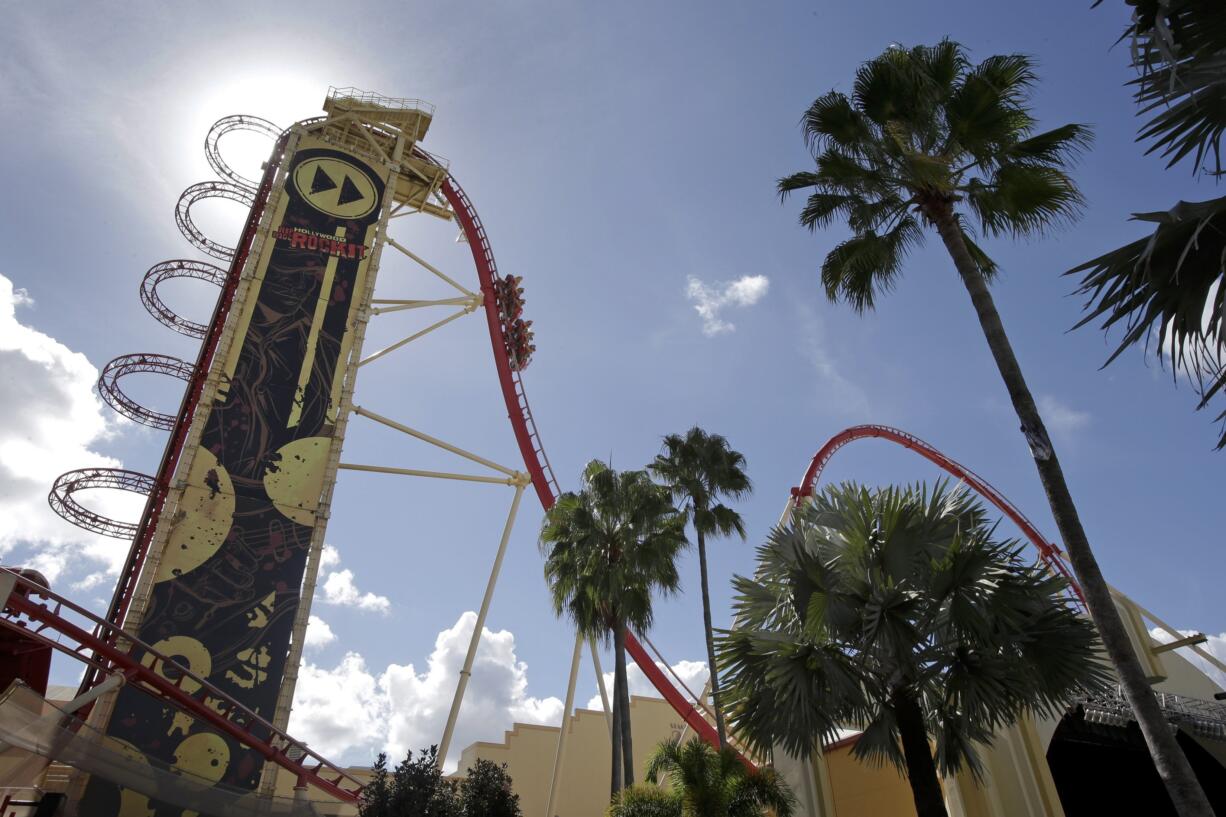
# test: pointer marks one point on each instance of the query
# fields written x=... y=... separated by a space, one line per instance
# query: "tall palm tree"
x=896 y=611
x=1173 y=281
x=700 y=469
x=608 y=548
x=712 y=782
x=929 y=140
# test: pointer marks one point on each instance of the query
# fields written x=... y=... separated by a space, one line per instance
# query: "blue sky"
x=615 y=152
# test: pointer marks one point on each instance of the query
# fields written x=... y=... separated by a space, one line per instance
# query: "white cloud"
x=1215 y=646
x=318 y=633
x=692 y=673
x=1060 y=417
x=339 y=710
x=836 y=392
x=710 y=301
x=349 y=708
x=339 y=587
x=52 y=424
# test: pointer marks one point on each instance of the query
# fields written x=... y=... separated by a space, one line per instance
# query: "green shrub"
x=487 y=792
x=645 y=801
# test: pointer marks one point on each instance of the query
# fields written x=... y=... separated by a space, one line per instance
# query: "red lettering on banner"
x=302 y=240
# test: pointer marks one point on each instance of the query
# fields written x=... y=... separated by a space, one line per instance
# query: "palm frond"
x=866 y=265
x=1179 y=52
x=987 y=113
x=987 y=267
x=831 y=121
x=1055 y=147
x=821 y=208
x=1010 y=76
x=943 y=64
x=797 y=181
x=1172 y=285
x=1024 y=199
x=840 y=172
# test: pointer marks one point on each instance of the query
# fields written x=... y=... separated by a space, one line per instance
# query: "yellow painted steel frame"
x=468 y=303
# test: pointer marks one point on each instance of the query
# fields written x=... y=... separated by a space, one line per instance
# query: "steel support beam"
x=475 y=640
x=556 y=776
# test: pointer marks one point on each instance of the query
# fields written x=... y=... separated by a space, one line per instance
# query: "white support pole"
x=467 y=310
x=412 y=432
x=413 y=472
x=401 y=305
x=433 y=269
x=556 y=777
x=475 y=641
x=604 y=693
x=1172 y=632
x=114 y=681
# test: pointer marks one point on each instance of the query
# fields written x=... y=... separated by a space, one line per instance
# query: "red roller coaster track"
x=39 y=613
x=177 y=268
x=113 y=394
x=1048 y=551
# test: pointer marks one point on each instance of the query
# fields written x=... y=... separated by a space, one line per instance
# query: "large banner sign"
x=230 y=572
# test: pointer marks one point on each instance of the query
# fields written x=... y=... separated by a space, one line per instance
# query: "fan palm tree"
x=700 y=469
x=711 y=782
x=608 y=548
x=1173 y=281
x=929 y=140
x=896 y=611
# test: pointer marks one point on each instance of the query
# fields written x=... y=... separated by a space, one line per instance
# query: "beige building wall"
x=861 y=790
x=529 y=751
x=1017 y=781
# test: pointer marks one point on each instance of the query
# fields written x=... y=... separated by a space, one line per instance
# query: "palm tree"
x=608 y=548
x=896 y=611
x=929 y=140
x=717 y=783
x=699 y=468
x=1173 y=281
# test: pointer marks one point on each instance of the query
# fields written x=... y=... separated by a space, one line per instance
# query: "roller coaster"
x=213 y=693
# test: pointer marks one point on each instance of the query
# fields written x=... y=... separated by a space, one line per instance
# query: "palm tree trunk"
x=706 y=620
x=1172 y=765
x=921 y=770
x=621 y=689
x=616 y=782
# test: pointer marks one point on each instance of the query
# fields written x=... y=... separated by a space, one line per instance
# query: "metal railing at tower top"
x=370 y=98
